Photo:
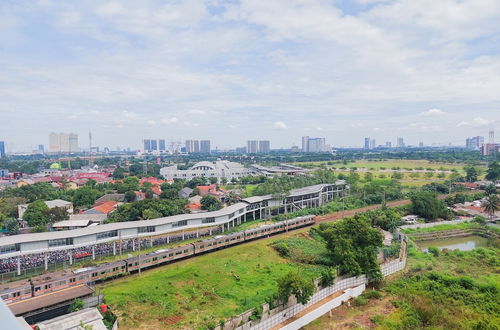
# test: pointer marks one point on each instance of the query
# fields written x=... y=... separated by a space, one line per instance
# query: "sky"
x=230 y=71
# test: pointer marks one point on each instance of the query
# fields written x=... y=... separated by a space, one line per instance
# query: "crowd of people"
x=37 y=260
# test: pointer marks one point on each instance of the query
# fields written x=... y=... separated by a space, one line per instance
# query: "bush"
x=372 y=294
x=328 y=277
x=282 y=249
x=360 y=301
x=434 y=251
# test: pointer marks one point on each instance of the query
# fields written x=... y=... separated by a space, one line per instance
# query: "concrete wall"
x=322 y=310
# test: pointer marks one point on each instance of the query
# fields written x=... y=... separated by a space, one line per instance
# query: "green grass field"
x=402 y=163
x=192 y=293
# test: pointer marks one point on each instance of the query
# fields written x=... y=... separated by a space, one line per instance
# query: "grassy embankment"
x=193 y=293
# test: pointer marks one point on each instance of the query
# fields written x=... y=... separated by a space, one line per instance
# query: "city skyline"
x=249 y=69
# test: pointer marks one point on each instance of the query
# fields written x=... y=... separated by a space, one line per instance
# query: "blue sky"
x=254 y=69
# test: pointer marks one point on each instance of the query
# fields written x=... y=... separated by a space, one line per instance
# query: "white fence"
x=432 y=224
x=280 y=314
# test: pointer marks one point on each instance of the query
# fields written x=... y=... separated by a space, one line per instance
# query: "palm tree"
x=491 y=205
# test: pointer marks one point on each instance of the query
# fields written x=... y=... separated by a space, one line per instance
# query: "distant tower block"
x=491 y=137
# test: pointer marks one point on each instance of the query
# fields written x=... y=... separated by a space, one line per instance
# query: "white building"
x=218 y=169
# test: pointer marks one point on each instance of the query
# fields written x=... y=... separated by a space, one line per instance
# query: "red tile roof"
x=106 y=207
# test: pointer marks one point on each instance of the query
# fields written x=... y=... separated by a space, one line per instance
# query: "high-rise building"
x=154 y=145
x=264 y=146
x=41 y=148
x=388 y=144
x=2 y=148
x=73 y=143
x=305 y=143
x=474 y=143
x=63 y=143
x=372 y=144
x=421 y=144
x=367 y=143
x=147 y=145
x=252 y=146
x=162 y=145
x=205 y=146
x=54 y=143
x=192 y=146
x=314 y=145
x=401 y=142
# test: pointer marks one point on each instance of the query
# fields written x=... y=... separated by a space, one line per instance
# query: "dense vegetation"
x=452 y=290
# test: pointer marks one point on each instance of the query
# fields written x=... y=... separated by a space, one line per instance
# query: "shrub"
x=328 y=277
x=434 y=251
x=282 y=249
x=360 y=301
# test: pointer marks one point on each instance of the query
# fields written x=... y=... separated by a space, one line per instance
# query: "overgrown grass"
x=455 y=290
x=303 y=248
x=198 y=291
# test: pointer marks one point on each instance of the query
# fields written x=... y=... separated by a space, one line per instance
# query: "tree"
x=493 y=172
x=426 y=204
x=76 y=305
x=212 y=180
x=397 y=176
x=479 y=219
x=12 y=226
x=293 y=283
x=210 y=203
x=471 y=173
x=130 y=196
x=368 y=176
x=150 y=214
x=58 y=214
x=223 y=180
x=37 y=214
x=491 y=205
x=353 y=246
x=85 y=197
x=490 y=189
x=118 y=173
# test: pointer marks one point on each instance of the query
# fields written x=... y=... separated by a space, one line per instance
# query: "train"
x=46 y=283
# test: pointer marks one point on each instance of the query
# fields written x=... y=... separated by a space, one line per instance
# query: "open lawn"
x=193 y=293
x=390 y=163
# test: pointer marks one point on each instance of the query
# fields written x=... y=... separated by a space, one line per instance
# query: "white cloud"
x=279 y=125
x=432 y=113
x=169 y=121
x=151 y=122
x=197 y=112
x=476 y=122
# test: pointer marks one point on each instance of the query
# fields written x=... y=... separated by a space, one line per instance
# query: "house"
x=86 y=318
x=110 y=197
x=194 y=204
x=71 y=224
x=24 y=182
x=207 y=190
x=93 y=218
x=103 y=208
x=154 y=181
x=50 y=204
x=185 y=192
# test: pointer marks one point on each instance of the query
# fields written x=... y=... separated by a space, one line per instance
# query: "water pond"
x=465 y=243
